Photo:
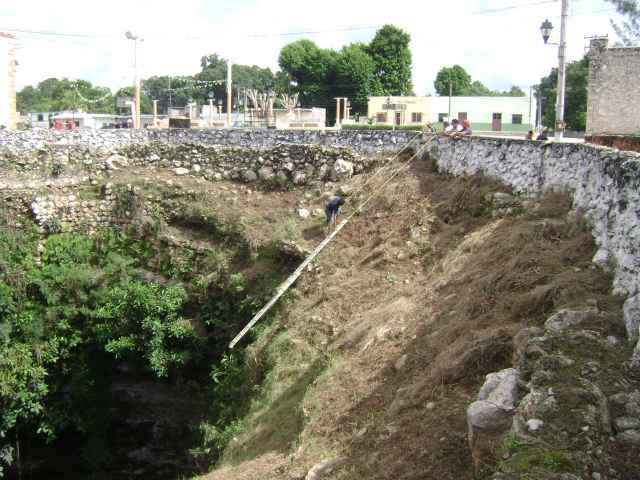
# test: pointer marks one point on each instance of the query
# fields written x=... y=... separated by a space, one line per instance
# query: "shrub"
x=57 y=169
x=52 y=225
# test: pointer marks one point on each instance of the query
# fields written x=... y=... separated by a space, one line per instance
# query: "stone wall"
x=604 y=183
x=17 y=143
x=613 y=90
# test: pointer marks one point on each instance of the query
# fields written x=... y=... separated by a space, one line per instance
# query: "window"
x=416 y=117
x=40 y=117
x=516 y=119
x=442 y=117
x=497 y=116
x=462 y=116
x=381 y=117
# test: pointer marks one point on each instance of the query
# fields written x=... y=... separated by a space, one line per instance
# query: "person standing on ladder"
x=332 y=210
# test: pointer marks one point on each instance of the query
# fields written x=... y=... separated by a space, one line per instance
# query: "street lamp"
x=130 y=36
x=545 y=29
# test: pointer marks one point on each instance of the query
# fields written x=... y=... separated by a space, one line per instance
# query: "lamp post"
x=136 y=80
x=545 y=30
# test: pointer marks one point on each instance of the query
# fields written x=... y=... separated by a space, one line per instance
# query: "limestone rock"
x=627 y=423
x=483 y=415
x=566 y=319
x=299 y=178
x=631 y=313
x=341 y=170
x=249 y=176
x=323 y=468
x=631 y=437
x=265 y=173
x=180 y=171
x=115 y=162
x=534 y=424
x=491 y=415
x=501 y=388
x=304 y=213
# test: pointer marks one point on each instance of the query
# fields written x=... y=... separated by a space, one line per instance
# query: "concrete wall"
x=613 y=104
x=605 y=185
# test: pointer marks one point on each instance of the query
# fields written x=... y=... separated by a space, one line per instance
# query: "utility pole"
x=562 y=52
x=450 y=93
x=229 y=93
x=530 y=100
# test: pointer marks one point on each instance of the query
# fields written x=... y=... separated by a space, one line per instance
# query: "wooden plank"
x=284 y=286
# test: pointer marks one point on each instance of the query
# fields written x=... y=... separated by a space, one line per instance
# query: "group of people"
x=457 y=128
x=543 y=135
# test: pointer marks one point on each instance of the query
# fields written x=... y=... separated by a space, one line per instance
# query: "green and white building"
x=498 y=114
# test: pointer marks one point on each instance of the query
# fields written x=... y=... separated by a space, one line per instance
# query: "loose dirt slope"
x=385 y=342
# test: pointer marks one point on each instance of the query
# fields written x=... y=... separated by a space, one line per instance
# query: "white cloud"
x=497 y=48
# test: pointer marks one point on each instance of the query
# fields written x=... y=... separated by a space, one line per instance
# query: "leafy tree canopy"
x=462 y=85
x=391 y=56
x=54 y=95
x=575 y=108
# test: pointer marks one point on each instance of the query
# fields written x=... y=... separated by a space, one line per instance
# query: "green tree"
x=628 y=30
x=146 y=103
x=53 y=95
x=478 y=89
x=514 y=91
x=575 y=109
x=459 y=79
x=391 y=56
x=312 y=68
x=169 y=91
x=355 y=76
x=214 y=71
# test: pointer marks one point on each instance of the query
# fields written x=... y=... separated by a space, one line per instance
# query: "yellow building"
x=398 y=110
x=8 y=114
x=484 y=113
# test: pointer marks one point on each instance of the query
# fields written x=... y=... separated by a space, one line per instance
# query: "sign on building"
x=123 y=102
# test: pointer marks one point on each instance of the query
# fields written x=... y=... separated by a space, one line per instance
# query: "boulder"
x=491 y=415
x=341 y=170
x=180 y=171
x=304 y=213
x=566 y=319
x=115 y=162
x=265 y=173
x=249 y=176
x=299 y=178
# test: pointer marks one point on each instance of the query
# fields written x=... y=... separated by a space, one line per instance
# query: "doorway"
x=398 y=118
x=496 y=122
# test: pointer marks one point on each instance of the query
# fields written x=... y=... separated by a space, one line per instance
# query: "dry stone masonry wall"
x=604 y=183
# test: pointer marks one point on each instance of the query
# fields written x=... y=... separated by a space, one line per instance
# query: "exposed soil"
x=416 y=300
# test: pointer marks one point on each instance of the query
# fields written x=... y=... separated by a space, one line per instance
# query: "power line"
x=206 y=37
x=511 y=7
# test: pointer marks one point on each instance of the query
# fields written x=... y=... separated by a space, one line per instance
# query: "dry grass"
x=419 y=298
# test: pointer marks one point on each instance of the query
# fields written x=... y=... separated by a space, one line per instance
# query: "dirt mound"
x=400 y=320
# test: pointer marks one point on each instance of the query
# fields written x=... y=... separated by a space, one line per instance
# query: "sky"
x=497 y=41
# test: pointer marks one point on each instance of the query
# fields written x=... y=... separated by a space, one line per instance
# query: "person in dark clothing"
x=544 y=135
x=332 y=210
